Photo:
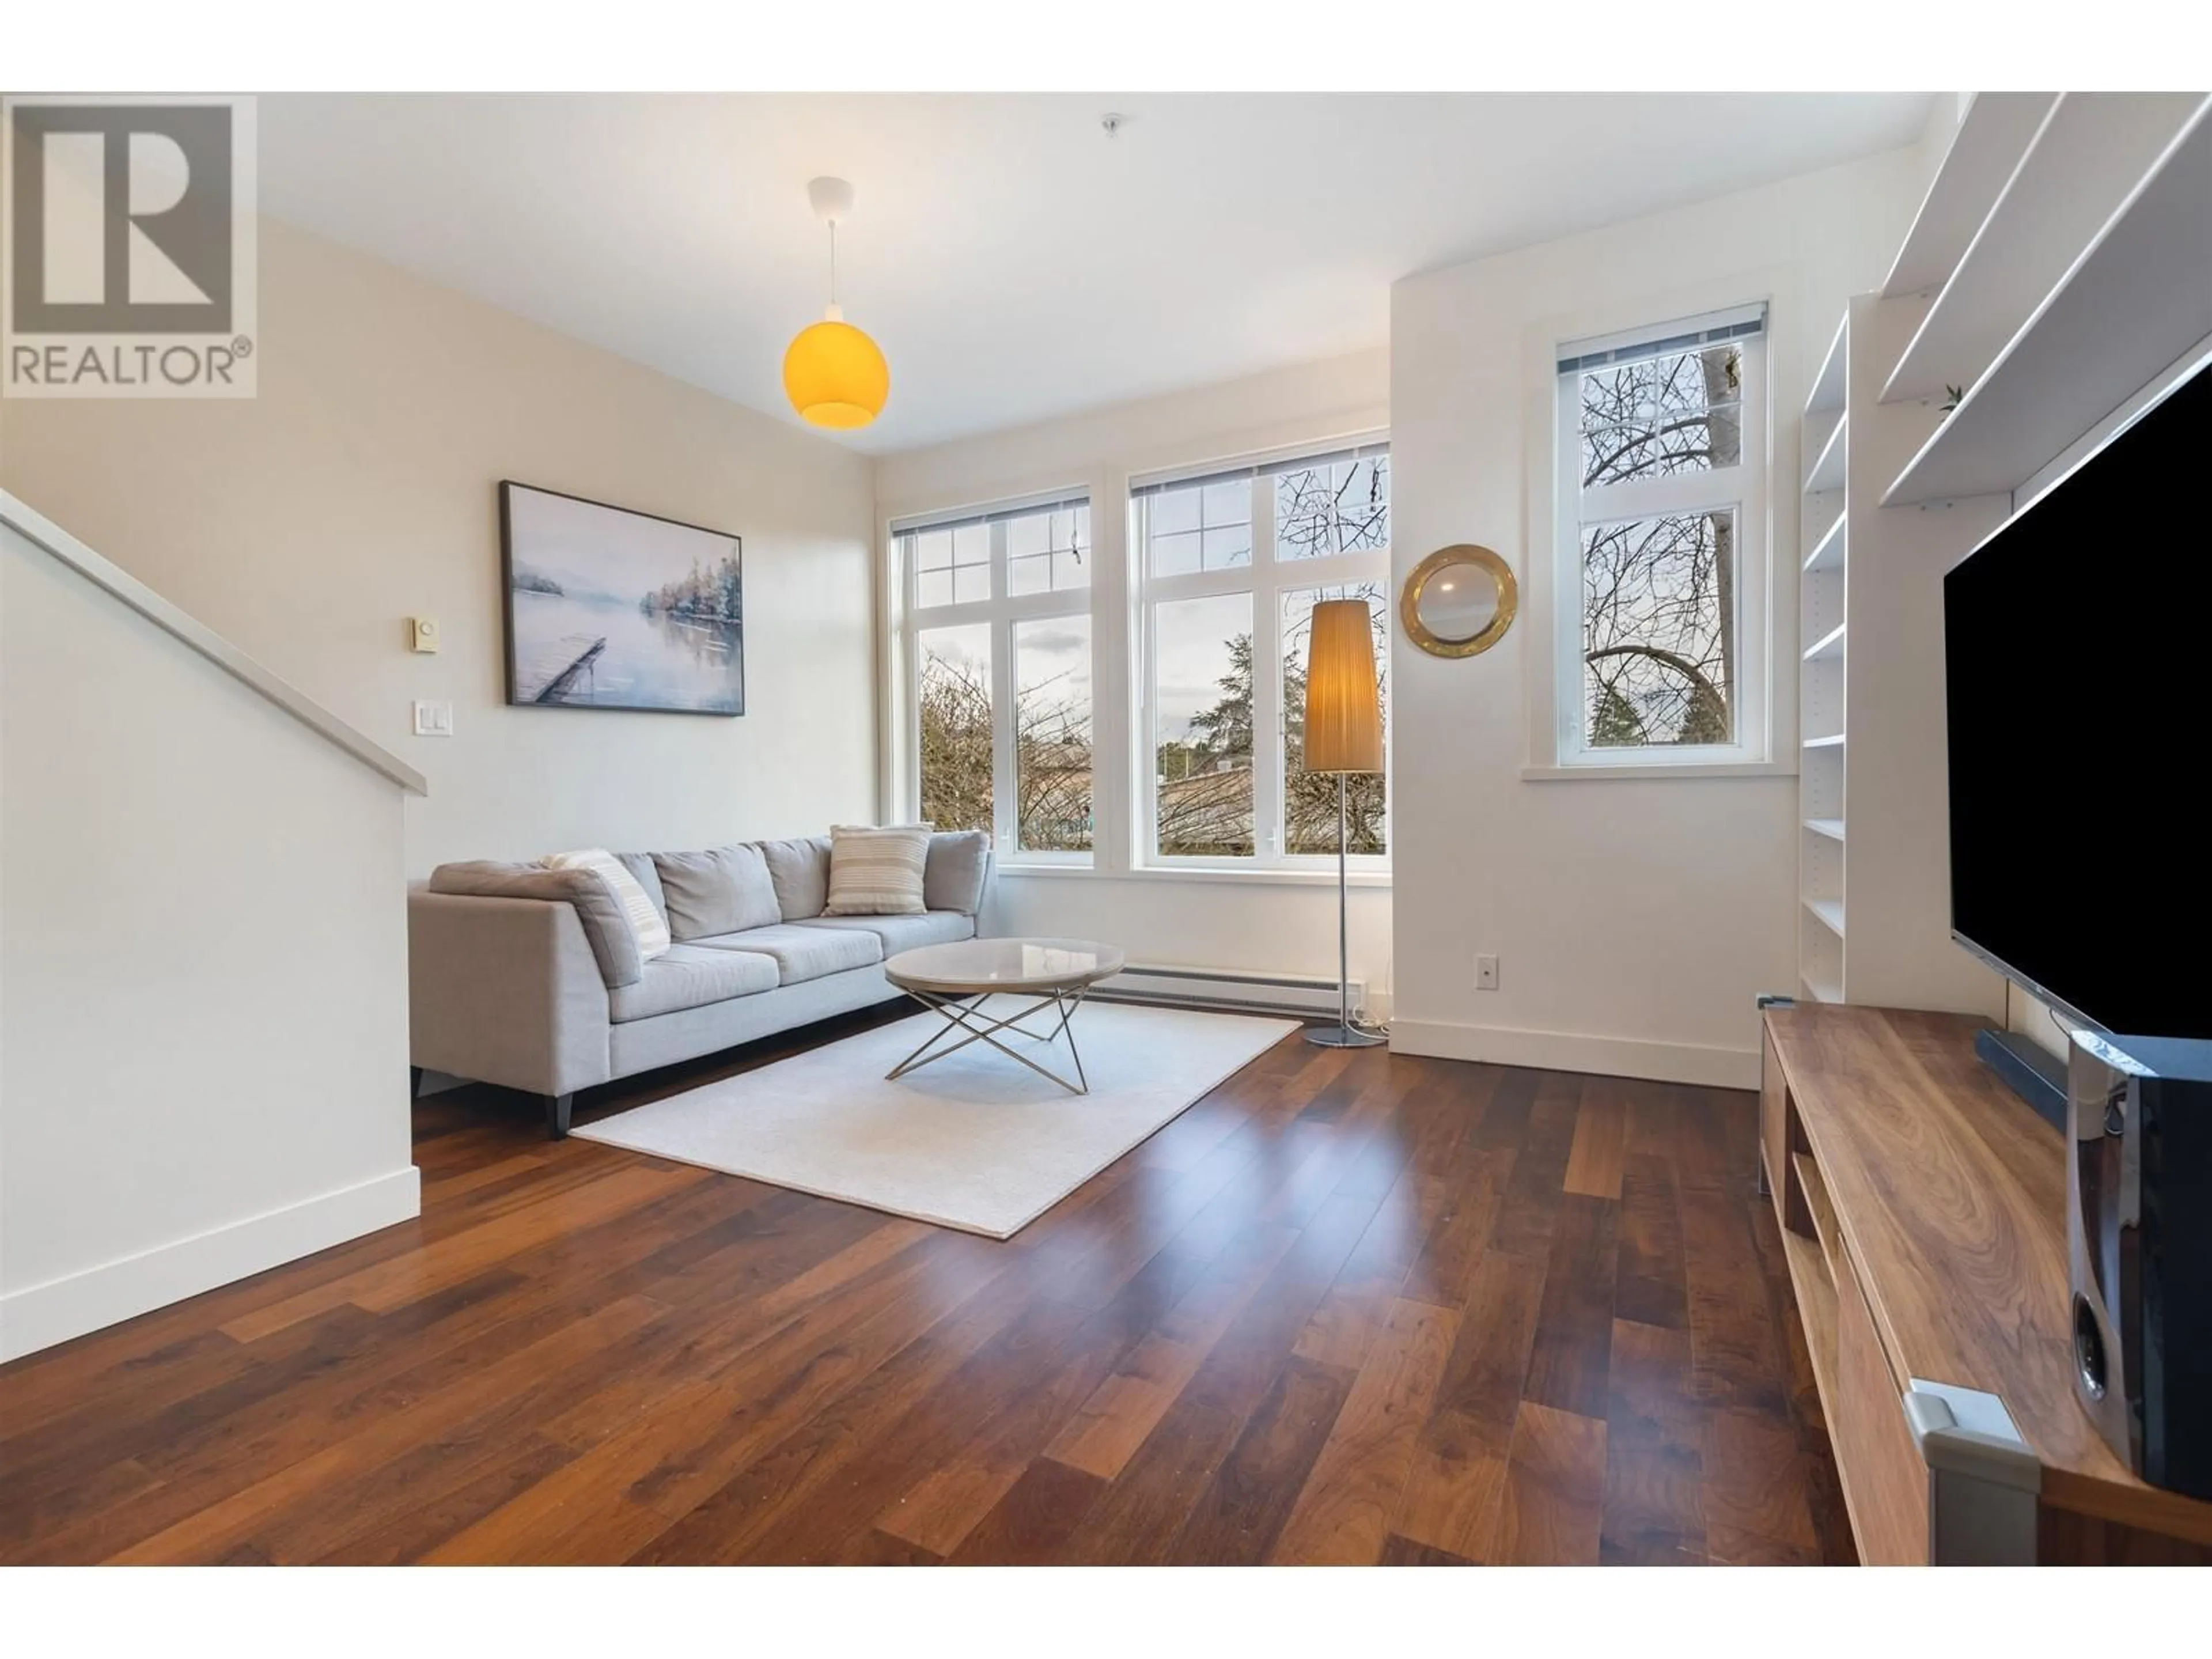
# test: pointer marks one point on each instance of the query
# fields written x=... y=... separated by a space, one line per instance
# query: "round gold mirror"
x=1459 y=601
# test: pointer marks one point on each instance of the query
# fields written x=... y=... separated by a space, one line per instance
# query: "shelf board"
x=1814 y=1188
x=1830 y=644
x=1827 y=471
x=2092 y=149
x=1820 y=990
x=1817 y=1315
x=1827 y=397
x=1827 y=553
x=1830 y=913
x=1832 y=828
x=1833 y=740
x=1991 y=140
x=2134 y=304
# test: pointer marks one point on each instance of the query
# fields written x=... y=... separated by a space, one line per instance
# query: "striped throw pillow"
x=877 y=872
x=645 y=918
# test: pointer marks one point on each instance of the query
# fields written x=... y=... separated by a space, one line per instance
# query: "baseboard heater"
x=1301 y=996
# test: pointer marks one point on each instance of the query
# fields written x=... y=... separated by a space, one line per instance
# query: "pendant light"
x=833 y=375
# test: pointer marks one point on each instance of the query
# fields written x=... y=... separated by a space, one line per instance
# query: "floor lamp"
x=1343 y=735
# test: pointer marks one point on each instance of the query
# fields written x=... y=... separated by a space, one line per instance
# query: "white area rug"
x=976 y=1140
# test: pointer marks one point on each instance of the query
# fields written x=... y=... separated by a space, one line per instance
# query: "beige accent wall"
x=360 y=489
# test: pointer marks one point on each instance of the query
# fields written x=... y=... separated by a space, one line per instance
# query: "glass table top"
x=1004 y=964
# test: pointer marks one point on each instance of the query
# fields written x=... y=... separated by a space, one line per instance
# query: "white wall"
x=1635 y=920
x=360 y=489
x=1276 y=923
x=202 y=971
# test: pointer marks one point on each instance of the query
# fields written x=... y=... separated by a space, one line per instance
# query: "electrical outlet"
x=433 y=720
x=1486 y=973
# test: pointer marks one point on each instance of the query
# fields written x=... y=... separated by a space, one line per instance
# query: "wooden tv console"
x=1923 y=1211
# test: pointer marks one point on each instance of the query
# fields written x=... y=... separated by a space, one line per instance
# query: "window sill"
x=1648 y=770
x=1277 y=876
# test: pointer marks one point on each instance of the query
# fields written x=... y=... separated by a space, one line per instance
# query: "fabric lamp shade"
x=836 y=375
x=1343 y=705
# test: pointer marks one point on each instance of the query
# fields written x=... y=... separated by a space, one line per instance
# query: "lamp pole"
x=1343 y=1034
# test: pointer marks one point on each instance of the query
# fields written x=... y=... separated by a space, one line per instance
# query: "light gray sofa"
x=531 y=978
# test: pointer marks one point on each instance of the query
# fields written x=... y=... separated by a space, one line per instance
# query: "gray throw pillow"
x=723 y=890
x=800 y=871
x=958 y=866
x=606 y=925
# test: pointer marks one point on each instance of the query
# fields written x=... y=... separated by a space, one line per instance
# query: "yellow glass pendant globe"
x=836 y=375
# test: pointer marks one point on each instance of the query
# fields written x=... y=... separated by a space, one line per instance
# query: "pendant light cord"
x=833 y=262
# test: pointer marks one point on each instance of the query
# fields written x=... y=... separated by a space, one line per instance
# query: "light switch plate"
x=433 y=720
x=422 y=633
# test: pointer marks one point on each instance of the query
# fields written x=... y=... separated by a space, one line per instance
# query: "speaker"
x=2139 y=1249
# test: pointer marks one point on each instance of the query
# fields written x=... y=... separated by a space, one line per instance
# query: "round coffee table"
x=1052 y=972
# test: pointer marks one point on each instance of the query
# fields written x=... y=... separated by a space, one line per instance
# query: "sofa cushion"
x=614 y=945
x=690 y=977
x=876 y=871
x=959 y=869
x=646 y=874
x=904 y=933
x=800 y=871
x=803 y=953
x=646 y=923
x=723 y=890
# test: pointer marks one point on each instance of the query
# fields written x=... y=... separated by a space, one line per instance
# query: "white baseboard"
x=1579 y=1051
x=40 y=1316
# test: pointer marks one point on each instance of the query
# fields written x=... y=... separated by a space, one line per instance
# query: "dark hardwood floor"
x=1350 y=1307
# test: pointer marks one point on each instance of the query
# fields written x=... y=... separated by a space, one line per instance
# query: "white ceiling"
x=1013 y=260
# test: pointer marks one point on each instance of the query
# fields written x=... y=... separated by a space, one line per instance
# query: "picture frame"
x=612 y=609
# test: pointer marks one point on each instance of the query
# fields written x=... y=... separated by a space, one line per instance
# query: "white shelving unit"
x=1993 y=135
x=2060 y=266
x=2090 y=151
x=1822 y=601
x=1872 y=859
x=2129 y=304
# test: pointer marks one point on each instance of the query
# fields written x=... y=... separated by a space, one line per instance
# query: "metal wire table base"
x=963 y=1015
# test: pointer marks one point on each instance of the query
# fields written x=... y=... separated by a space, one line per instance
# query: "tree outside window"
x=1658 y=512
x=998 y=629
x=957 y=743
x=1226 y=696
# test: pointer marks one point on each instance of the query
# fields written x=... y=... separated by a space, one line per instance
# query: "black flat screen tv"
x=2078 y=674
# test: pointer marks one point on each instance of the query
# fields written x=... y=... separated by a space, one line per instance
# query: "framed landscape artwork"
x=610 y=609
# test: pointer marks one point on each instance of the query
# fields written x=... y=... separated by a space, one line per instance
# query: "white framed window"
x=1661 y=569
x=996 y=625
x=1229 y=563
